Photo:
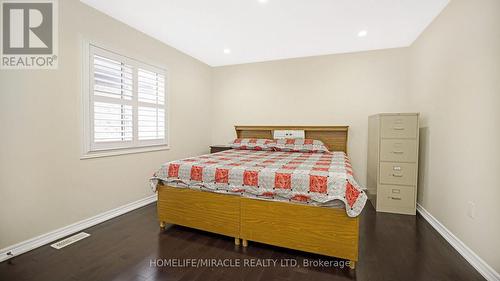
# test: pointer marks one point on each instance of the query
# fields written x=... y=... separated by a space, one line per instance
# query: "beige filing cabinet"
x=393 y=162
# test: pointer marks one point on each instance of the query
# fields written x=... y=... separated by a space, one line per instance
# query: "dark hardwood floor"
x=392 y=247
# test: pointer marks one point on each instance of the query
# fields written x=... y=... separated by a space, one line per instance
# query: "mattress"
x=320 y=179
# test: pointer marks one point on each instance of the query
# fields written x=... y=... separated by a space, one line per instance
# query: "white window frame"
x=90 y=149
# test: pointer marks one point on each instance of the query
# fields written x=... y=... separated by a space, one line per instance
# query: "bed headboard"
x=334 y=137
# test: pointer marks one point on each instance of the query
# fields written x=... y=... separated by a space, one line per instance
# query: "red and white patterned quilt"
x=308 y=178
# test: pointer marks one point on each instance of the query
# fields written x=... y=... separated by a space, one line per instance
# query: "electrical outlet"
x=471 y=209
x=289 y=134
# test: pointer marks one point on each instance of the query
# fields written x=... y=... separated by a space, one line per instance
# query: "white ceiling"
x=279 y=29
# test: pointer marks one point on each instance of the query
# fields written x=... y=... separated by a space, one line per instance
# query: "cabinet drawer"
x=403 y=150
x=396 y=198
x=398 y=173
x=399 y=126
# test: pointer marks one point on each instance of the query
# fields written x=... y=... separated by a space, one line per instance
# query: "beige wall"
x=324 y=90
x=43 y=183
x=455 y=85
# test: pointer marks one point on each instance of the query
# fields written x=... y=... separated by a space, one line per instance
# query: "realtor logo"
x=29 y=34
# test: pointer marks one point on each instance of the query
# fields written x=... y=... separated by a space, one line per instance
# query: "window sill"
x=123 y=151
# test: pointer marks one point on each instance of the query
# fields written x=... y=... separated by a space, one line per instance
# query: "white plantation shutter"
x=113 y=87
x=127 y=103
x=112 y=78
x=151 y=113
x=151 y=87
x=112 y=122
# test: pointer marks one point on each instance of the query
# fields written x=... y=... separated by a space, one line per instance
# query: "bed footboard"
x=326 y=231
x=217 y=213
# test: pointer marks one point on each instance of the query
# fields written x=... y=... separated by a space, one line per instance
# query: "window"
x=124 y=105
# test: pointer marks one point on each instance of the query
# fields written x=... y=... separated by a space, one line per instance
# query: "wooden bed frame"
x=320 y=230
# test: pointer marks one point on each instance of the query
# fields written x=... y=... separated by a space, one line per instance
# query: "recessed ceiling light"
x=362 y=33
x=227 y=51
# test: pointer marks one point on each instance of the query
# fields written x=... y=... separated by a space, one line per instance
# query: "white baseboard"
x=28 y=245
x=479 y=264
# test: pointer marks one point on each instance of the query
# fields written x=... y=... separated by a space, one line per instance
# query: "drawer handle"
x=397 y=176
x=398 y=152
x=398 y=128
x=394 y=198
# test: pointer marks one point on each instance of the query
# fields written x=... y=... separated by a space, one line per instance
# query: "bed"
x=221 y=193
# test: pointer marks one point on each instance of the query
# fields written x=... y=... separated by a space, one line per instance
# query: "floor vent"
x=70 y=240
